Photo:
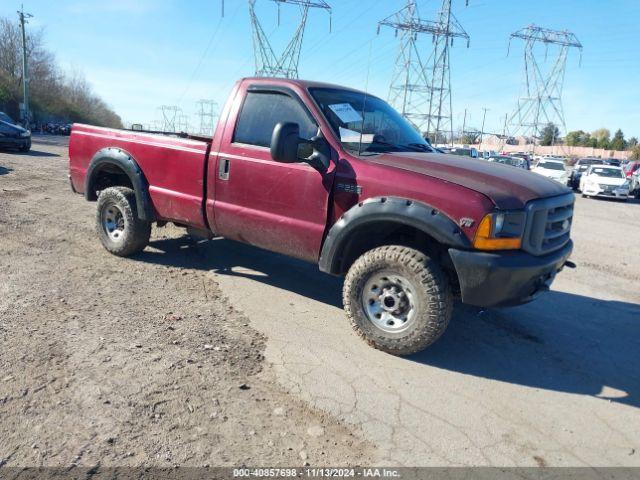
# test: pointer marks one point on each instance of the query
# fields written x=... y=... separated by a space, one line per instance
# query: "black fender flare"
x=389 y=209
x=123 y=160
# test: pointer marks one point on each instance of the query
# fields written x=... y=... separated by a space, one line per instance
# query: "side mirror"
x=286 y=142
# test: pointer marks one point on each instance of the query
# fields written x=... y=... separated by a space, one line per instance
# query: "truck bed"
x=174 y=167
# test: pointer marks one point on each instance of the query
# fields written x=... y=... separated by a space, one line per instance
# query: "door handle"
x=224 y=167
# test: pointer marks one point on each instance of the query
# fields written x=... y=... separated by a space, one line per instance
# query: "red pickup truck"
x=337 y=177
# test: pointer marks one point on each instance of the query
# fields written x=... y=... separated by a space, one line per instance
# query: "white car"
x=553 y=169
x=605 y=181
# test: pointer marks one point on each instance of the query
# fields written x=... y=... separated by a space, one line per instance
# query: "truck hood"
x=509 y=188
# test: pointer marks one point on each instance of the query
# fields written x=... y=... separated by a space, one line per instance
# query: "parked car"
x=464 y=152
x=631 y=167
x=613 y=162
x=524 y=156
x=512 y=161
x=605 y=181
x=301 y=168
x=552 y=168
x=13 y=135
x=579 y=168
x=634 y=184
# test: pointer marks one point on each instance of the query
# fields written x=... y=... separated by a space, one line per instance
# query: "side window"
x=262 y=111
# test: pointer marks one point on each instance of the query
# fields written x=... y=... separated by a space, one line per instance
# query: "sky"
x=140 y=54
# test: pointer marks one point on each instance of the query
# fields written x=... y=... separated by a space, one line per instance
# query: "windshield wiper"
x=423 y=147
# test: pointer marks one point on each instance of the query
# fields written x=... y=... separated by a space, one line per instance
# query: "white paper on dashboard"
x=346 y=112
x=351 y=136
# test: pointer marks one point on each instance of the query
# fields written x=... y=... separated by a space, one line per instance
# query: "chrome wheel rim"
x=389 y=301
x=113 y=222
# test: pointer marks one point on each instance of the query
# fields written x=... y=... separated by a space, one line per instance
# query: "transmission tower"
x=541 y=102
x=207 y=115
x=183 y=123
x=267 y=63
x=169 y=116
x=420 y=86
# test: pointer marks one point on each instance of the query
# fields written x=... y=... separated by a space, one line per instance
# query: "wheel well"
x=109 y=175
x=378 y=234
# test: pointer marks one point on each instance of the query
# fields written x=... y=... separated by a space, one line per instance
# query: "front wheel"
x=397 y=299
x=119 y=228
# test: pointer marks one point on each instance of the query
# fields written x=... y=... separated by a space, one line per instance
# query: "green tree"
x=602 y=136
x=575 y=138
x=549 y=135
x=635 y=153
x=633 y=141
x=618 y=142
x=54 y=95
x=470 y=137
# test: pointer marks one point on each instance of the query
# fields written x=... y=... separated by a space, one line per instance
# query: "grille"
x=548 y=224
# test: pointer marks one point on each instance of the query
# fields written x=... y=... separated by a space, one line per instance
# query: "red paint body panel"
x=280 y=207
x=289 y=208
x=174 y=167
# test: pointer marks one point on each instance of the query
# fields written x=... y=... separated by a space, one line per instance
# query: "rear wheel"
x=397 y=299
x=119 y=228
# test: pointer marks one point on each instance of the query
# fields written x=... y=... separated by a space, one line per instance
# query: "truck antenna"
x=366 y=93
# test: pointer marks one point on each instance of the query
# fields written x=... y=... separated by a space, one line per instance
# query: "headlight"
x=500 y=231
x=25 y=134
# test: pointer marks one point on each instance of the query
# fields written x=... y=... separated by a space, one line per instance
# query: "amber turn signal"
x=484 y=240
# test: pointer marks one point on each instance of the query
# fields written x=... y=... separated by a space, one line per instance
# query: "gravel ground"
x=141 y=361
x=112 y=362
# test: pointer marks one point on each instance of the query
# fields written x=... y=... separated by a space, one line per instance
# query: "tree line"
x=54 y=95
x=600 y=138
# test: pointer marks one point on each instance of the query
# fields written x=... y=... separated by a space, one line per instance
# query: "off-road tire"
x=434 y=299
x=136 y=233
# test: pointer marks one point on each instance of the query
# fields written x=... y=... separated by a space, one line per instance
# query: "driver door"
x=277 y=206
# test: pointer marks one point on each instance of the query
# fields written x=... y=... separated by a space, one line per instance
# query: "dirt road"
x=555 y=382
x=112 y=362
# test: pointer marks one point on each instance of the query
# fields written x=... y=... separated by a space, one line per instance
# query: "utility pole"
x=484 y=117
x=25 y=77
x=464 y=122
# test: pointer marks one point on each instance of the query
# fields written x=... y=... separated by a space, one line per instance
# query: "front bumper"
x=15 y=142
x=498 y=279
x=598 y=192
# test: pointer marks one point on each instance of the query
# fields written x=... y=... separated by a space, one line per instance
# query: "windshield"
x=356 y=117
x=608 y=172
x=551 y=165
x=6 y=118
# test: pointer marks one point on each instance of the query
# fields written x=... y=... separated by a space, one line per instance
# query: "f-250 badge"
x=350 y=188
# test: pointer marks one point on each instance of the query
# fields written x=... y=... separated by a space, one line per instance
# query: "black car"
x=13 y=135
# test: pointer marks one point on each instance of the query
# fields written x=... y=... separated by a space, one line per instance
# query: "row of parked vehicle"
x=593 y=177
